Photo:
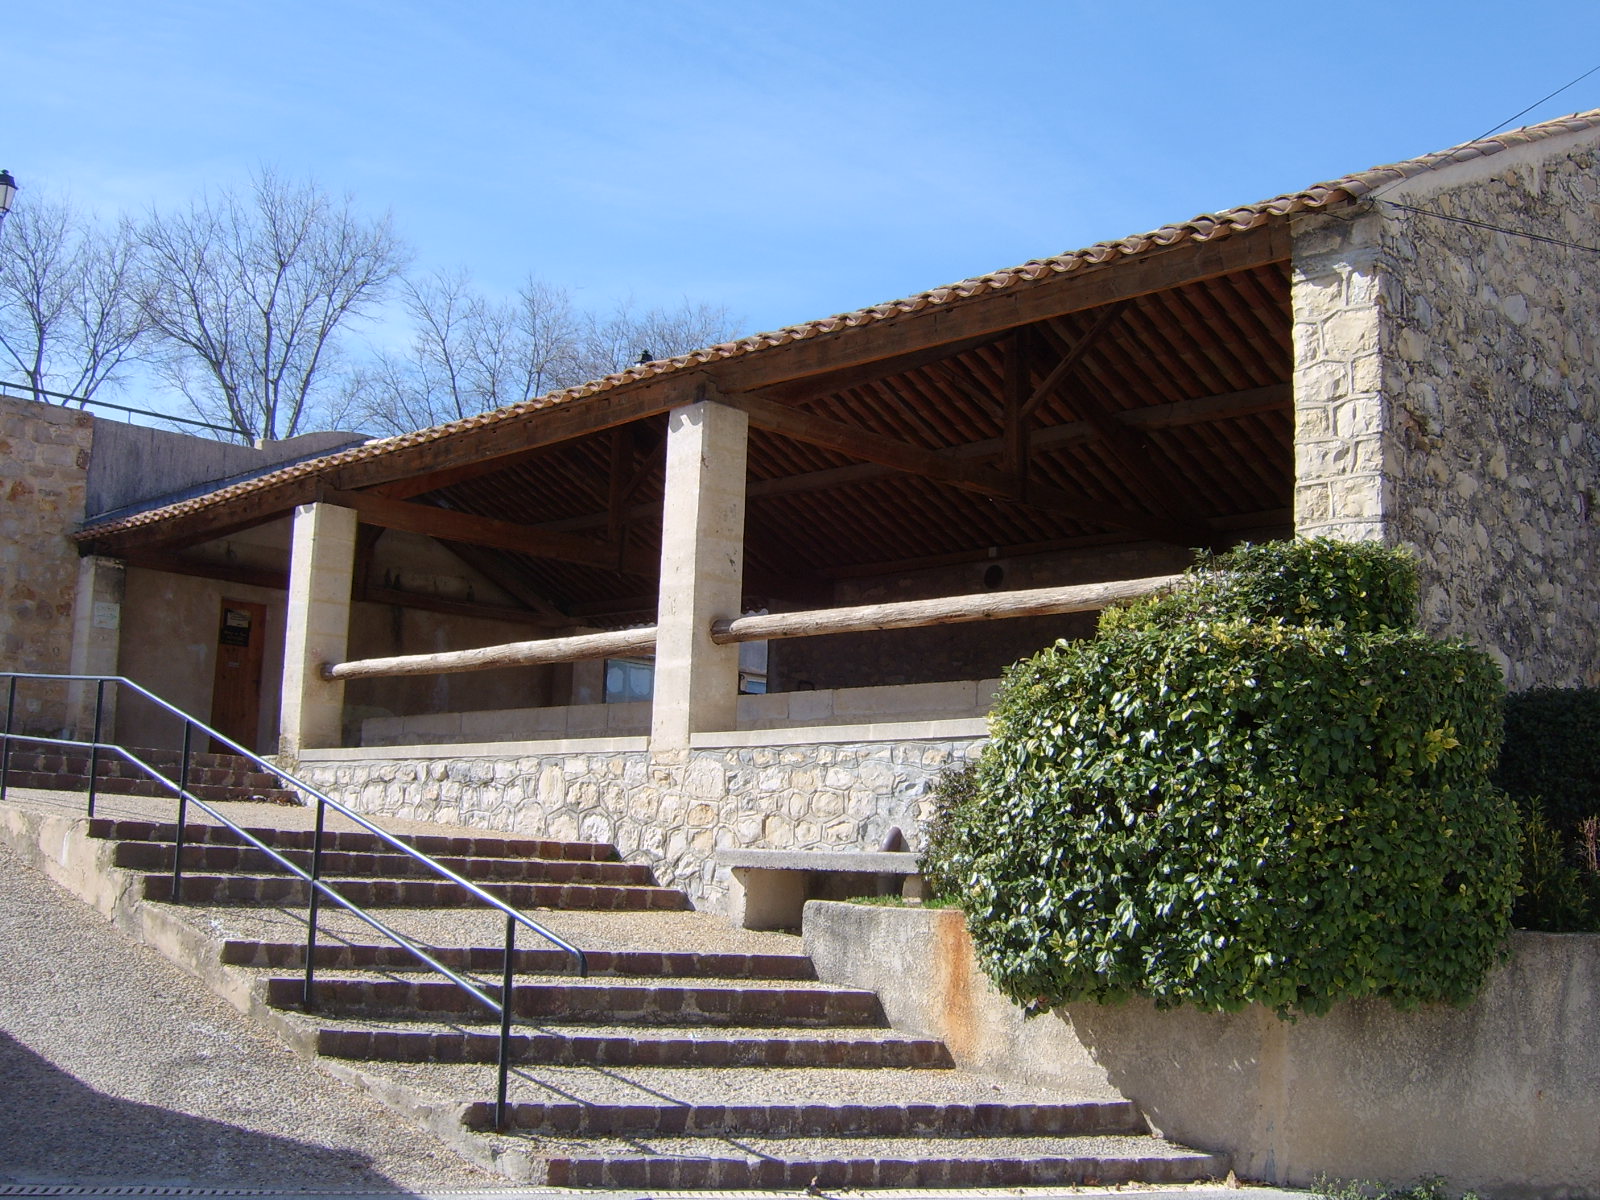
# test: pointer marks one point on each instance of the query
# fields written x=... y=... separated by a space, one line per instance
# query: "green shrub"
x=1550 y=764
x=1559 y=893
x=1261 y=787
x=944 y=862
x=1552 y=751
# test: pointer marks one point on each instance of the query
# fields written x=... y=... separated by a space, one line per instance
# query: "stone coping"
x=807 y=735
x=875 y=862
x=616 y=745
x=810 y=735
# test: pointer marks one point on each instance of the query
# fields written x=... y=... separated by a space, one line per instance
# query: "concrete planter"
x=1502 y=1096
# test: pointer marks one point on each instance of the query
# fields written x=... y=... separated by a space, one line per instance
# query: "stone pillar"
x=702 y=572
x=1343 y=486
x=321 y=570
x=96 y=639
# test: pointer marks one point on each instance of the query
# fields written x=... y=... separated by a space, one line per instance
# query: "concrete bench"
x=771 y=887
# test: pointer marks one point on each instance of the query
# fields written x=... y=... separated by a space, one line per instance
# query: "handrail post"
x=505 y=1022
x=307 y=996
x=5 y=744
x=94 y=750
x=183 y=812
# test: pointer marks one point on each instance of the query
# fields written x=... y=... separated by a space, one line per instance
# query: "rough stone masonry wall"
x=1492 y=373
x=1447 y=389
x=670 y=810
x=44 y=461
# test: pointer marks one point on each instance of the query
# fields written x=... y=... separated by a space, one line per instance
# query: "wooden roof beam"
x=1161 y=416
x=449 y=525
x=944 y=468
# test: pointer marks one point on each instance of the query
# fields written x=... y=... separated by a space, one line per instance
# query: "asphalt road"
x=118 y=1069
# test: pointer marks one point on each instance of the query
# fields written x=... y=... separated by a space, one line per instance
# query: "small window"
x=629 y=679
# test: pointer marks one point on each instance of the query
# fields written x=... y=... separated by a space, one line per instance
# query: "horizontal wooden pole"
x=944 y=610
x=512 y=654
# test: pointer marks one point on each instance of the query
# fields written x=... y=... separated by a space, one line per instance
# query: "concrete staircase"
x=212 y=777
x=702 y=1066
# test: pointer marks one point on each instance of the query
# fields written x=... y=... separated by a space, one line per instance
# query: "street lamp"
x=8 y=192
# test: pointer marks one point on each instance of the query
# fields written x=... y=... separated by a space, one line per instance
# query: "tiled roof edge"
x=1202 y=228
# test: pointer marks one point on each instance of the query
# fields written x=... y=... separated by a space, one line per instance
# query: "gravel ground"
x=691 y=931
x=192 y=1095
x=718 y=1085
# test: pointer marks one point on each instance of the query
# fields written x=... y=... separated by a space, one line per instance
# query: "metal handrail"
x=502 y=1008
x=82 y=401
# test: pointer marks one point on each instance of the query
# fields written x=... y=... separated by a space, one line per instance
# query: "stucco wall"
x=670 y=810
x=1447 y=389
x=44 y=459
x=1502 y=1096
x=169 y=645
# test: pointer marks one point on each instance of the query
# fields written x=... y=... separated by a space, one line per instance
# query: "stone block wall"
x=1447 y=397
x=669 y=809
x=1492 y=375
x=44 y=461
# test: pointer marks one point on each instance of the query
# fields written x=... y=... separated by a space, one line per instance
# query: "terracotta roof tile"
x=1201 y=228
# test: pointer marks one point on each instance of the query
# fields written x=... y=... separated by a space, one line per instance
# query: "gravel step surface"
x=392 y=958
x=676 y=931
x=490 y=975
x=540 y=998
x=291 y=835
x=665 y=1086
x=412 y=893
x=193 y=1094
x=157 y=856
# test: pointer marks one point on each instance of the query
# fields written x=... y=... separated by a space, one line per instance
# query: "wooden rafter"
x=1072 y=357
x=449 y=525
x=944 y=468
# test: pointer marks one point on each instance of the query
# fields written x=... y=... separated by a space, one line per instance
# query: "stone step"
x=126 y=786
x=591 y=1002
x=359 y=841
x=411 y=893
x=622 y=1046
x=814 y=1120
x=662 y=963
x=204 y=857
x=211 y=776
x=835 y=1164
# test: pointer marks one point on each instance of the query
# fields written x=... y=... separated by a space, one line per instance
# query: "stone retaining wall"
x=1501 y=1096
x=671 y=810
x=44 y=462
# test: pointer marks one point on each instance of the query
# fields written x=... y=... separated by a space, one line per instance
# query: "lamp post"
x=8 y=192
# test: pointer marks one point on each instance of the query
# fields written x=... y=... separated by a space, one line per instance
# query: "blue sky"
x=788 y=161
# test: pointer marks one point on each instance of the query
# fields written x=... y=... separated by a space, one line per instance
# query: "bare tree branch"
x=68 y=314
x=248 y=294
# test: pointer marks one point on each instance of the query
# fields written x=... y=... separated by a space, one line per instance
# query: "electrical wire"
x=1502 y=125
x=1492 y=228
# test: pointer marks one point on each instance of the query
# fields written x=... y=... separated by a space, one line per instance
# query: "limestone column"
x=1343 y=483
x=702 y=572
x=321 y=570
x=96 y=641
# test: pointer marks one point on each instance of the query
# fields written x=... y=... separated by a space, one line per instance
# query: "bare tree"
x=470 y=354
x=248 y=294
x=627 y=336
x=69 y=317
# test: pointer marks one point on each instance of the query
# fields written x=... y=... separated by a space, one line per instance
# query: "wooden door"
x=236 y=688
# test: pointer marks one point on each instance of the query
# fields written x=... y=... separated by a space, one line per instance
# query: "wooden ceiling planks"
x=1173 y=400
